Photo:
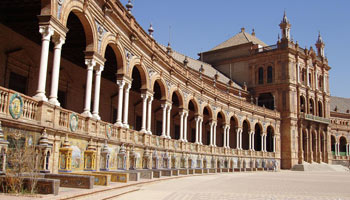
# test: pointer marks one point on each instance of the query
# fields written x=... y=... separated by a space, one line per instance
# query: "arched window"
x=269 y=74
x=302 y=104
x=303 y=75
x=261 y=75
x=311 y=106
x=320 y=109
x=320 y=81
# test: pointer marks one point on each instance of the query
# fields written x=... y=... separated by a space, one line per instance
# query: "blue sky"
x=199 y=25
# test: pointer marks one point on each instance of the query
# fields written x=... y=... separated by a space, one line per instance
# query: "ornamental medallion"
x=16 y=106
x=73 y=122
x=108 y=131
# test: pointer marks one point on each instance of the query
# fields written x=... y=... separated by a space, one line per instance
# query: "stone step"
x=319 y=167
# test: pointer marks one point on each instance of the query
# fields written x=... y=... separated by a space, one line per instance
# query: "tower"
x=285 y=27
x=320 y=46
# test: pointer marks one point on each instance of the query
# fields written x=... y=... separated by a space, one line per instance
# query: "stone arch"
x=77 y=8
x=245 y=134
x=195 y=105
x=210 y=110
x=163 y=86
x=270 y=135
x=220 y=128
x=258 y=131
x=179 y=94
x=110 y=40
x=136 y=62
x=333 y=142
x=342 y=145
x=233 y=131
x=207 y=114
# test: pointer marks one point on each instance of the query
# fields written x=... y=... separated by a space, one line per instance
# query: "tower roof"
x=285 y=19
x=238 y=39
x=319 y=39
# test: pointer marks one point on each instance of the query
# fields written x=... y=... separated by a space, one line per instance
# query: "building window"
x=320 y=80
x=18 y=83
x=261 y=75
x=269 y=74
x=302 y=104
x=303 y=75
x=310 y=81
x=311 y=106
x=320 y=109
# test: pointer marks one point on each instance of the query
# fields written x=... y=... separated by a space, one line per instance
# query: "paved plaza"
x=266 y=185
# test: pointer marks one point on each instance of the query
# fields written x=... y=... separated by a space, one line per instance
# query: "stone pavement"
x=285 y=185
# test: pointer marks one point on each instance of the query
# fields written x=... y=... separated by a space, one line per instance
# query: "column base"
x=169 y=137
x=143 y=131
x=125 y=125
x=54 y=101
x=86 y=114
x=149 y=132
x=163 y=136
x=40 y=97
x=119 y=124
x=96 y=116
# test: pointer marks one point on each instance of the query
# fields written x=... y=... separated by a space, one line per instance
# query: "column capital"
x=90 y=63
x=58 y=41
x=144 y=96
x=46 y=31
x=121 y=83
x=164 y=106
x=99 y=69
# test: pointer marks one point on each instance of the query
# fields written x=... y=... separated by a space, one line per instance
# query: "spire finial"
x=253 y=32
x=129 y=6
x=150 y=30
x=242 y=30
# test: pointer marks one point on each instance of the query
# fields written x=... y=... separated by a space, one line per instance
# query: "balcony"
x=315 y=118
x=44 y=115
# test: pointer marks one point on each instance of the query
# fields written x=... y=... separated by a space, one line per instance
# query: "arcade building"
x=84 y=80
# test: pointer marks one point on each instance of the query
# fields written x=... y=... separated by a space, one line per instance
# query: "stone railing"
x=315 y=118
x=52 y=117
x=9 y=98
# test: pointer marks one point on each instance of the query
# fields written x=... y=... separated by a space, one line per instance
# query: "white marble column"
x=95 y=112
x=214 y=135
x=168 y=123
x=250 y=140
x=181 y=126
x=237 y=138
x=264 y=143
x=126 y=105
x=58 y=41
x=274 y=143
x=149 y=117
x=240 y=139
x=46 y=32
x=197 y=129
x=200 y=131
x=228 y=137
x=90 y=63
x=144 y=112
x=225 y=135
x=338 y=148
x=253 y=141
x=185 y=124
x=164 y=107
x=121 y=84
x=211 y=132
